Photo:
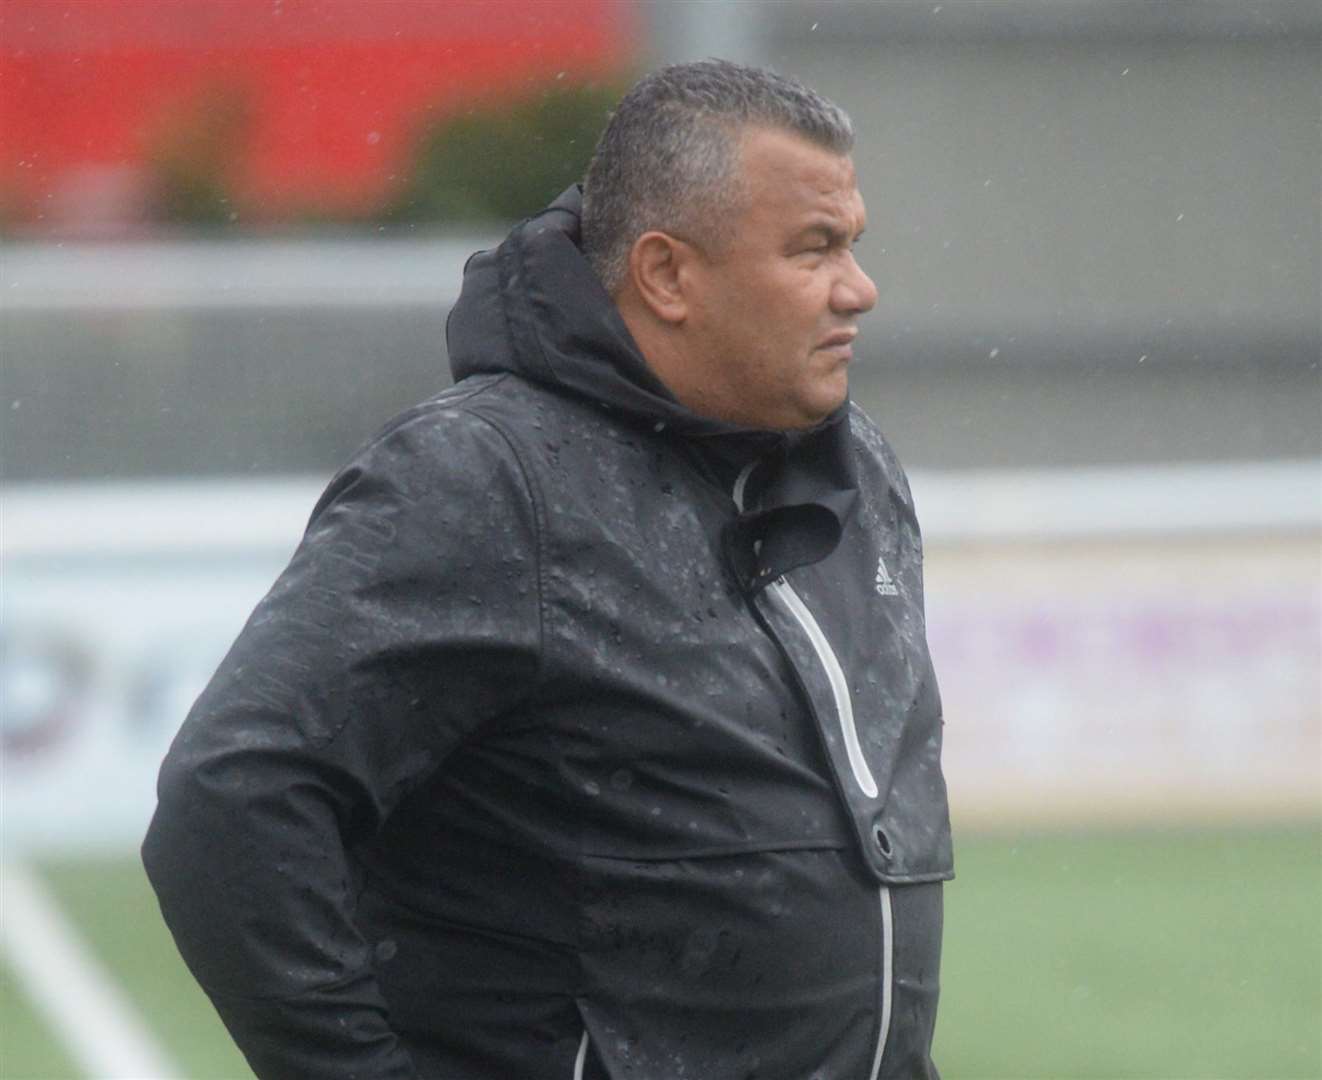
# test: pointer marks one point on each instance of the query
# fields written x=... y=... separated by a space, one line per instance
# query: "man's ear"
x=657 y=270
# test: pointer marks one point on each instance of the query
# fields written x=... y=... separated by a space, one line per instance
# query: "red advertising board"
x=316 y=101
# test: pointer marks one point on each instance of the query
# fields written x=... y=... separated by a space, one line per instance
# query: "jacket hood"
x=535 y=308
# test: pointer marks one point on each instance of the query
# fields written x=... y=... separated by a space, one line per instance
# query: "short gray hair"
x=668 y=158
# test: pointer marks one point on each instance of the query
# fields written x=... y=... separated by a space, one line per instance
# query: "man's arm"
x=367 y=662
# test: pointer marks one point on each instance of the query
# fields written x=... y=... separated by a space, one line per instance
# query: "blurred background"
x=230 y=233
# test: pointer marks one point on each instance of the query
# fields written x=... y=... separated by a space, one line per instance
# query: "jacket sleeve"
x=408 y=616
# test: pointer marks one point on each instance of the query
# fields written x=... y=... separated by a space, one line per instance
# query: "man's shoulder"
x=500 y=400
x=445 y=408
x=870 y=440
x=427 y=460
x=443 y=436
x=480 y=426
x=876 y=455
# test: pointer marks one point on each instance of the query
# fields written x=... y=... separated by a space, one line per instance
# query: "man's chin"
x=829 y=400
x=810 y=416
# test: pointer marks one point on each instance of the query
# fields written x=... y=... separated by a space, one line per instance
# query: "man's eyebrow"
x=833 y=233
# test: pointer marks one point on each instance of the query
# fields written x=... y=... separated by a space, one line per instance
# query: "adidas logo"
x=885 y=585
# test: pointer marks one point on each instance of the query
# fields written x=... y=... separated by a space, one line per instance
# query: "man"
x=591 y=731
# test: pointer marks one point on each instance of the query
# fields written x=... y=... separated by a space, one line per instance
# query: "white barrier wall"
x=1123 y=644
x=1111 y=644
x=1129 y=680
x=119 y=601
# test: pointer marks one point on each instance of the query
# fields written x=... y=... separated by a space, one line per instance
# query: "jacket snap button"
x=883 y=841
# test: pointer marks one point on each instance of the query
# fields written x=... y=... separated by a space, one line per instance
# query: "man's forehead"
x=787 y=171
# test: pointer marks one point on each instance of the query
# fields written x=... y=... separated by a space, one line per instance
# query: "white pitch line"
x=80 y=1002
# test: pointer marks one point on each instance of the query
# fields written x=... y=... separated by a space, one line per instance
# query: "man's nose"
x=854 y=292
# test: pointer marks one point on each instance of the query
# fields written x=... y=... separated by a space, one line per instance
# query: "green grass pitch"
x=1148 y=953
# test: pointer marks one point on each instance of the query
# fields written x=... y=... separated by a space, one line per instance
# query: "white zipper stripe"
x=740 y=482
x=844 y=705
x=582 y=1058
x=887 y=975
x=844 y=708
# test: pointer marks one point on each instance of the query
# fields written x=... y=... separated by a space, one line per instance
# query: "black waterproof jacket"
x=582 y=737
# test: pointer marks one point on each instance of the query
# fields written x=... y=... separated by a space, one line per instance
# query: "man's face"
x=776 y=310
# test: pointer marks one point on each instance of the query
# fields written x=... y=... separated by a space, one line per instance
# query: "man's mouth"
x=841 y=342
